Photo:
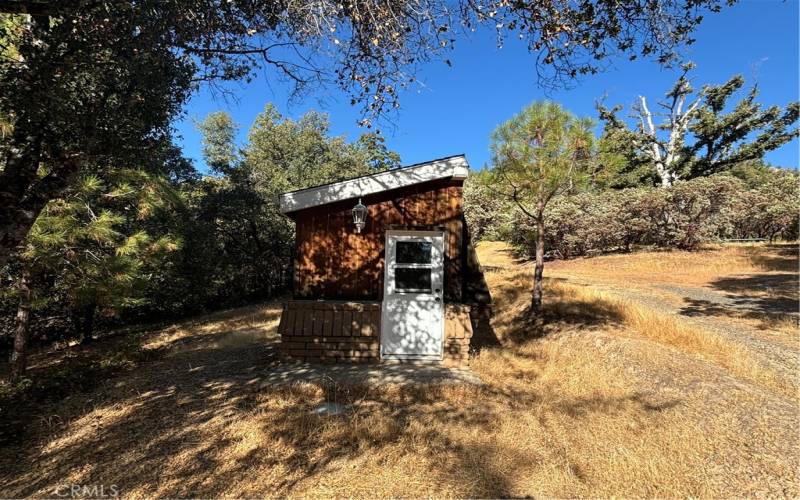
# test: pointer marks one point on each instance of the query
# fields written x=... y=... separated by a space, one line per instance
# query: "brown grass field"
x=601 y=396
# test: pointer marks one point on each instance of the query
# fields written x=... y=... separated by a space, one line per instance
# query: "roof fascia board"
x=456 y=167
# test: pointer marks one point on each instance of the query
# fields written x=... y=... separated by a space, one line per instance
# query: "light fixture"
x=359 y=216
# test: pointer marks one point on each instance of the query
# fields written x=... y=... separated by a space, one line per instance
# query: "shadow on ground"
x=199 y=421
x=769 y=298
x=516 y=323
x=776 y=257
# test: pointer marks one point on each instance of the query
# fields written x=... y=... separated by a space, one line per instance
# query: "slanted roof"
x=443 y=168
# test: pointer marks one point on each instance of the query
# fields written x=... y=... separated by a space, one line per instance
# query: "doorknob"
x=437 y=290
x=437 y=299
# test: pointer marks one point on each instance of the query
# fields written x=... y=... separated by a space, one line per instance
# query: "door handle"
x=437 y=299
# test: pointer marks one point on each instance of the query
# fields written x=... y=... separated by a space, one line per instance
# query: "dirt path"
x=720 y=313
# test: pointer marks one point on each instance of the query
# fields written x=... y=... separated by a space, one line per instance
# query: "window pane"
x=417 y=280
x=413 y=252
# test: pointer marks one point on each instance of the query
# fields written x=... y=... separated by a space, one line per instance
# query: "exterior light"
x=359 y=216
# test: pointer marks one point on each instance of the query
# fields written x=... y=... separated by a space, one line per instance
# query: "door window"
x=413 y=265
x=413 y=252
x=412 y=279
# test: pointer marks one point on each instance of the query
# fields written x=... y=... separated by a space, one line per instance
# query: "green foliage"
x=770 y=209
x=10 y=29
x=90 y=247
x=619 y=164
x=684 y=216
x=283 y=154
x=160 y=241
x=488 y=215
x=541 y=152
x=237 y=247
x=96 y=82
x=219 y=141
x=722 y=140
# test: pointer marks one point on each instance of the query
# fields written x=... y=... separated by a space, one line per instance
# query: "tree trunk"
x=22 y=197
x=536 y=301
x=87 y=323
x=19 y=355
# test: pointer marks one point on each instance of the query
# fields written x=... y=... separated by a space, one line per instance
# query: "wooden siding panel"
x=333 y=262
x=454 y=229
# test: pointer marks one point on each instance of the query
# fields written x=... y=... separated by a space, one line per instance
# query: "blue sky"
x=459 y=106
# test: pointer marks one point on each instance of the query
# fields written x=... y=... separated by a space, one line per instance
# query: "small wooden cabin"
x=384 y=268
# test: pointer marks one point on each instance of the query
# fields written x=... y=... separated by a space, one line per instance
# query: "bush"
x=487 y=213
x=685 y=216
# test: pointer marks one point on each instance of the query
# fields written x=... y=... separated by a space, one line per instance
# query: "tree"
x=542 y=152
x=92 y=83
x=746 y=133
x=90 y=249
x=770 y=209
x=697 y=137
x=283 y=154
x=690 y=213
x=488 y=216
x=87 y=90
x=237 y=246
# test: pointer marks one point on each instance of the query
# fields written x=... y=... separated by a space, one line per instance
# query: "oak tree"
x=91 y=83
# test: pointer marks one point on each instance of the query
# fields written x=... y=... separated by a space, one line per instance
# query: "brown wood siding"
x=333 y=262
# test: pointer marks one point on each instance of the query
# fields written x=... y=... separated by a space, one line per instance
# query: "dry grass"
x=496 y=254
x=223 y=329
x=671 y=331
x=555 y=419
x=677 y=267
x=573 y=304
x=592 y=400
x=761 y=278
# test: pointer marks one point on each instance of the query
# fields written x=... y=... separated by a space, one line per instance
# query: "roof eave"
x=452 y=167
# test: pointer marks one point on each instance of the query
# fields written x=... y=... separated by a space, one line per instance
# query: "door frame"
x=411 y=232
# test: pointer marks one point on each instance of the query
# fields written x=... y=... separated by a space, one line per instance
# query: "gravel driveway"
x=722 y=313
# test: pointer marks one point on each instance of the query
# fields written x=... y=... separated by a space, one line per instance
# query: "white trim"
x=414 y=232
x=455 y=166
x=388 y=279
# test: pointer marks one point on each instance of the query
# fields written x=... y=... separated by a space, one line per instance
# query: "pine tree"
x=90 y=248
x=538 y=154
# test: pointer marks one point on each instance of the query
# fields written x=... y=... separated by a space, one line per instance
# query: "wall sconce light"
x=359 y=216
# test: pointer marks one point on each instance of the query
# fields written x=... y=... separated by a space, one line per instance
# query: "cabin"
x=384 y=268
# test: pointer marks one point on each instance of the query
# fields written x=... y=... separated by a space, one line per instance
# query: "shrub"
x=487 y=214
x=684 y=216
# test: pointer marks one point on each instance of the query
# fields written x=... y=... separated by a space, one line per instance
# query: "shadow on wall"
x=478 y=296
x=333 y=262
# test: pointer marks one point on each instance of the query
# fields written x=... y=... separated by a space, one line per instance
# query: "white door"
x=413 y=308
